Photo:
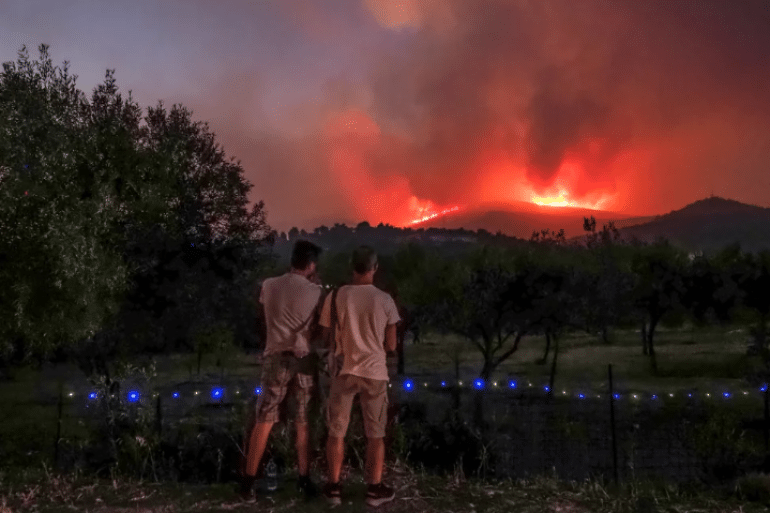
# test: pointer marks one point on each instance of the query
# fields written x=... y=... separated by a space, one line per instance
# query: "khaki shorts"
x=373 y=395
x=281 y=373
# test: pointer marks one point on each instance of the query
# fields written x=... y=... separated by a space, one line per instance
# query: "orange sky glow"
x=397 y=111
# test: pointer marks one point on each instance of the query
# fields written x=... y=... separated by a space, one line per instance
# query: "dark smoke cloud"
x=651 y=104
x=590 y=79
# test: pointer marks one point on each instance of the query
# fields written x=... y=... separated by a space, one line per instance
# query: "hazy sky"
x=384 y=110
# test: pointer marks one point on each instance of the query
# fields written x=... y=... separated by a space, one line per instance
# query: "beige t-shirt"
x=290 y=303
x=364 y=311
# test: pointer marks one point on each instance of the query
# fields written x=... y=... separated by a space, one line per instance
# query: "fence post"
x=613 y=427
x=158 y=417
x=552 y=378
x=59 y=408
x=766 y=426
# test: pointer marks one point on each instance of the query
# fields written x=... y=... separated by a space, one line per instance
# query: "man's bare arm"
x=390 y=338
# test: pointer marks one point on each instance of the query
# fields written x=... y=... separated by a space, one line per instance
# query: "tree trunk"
x=488 y=368
x=606 y=335
x=547 y=349
x=644 y=337
x=651 y=347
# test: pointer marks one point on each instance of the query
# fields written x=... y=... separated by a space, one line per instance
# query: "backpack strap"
x=335 y=362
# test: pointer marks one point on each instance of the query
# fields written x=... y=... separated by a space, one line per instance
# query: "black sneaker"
x=246 y=488
x=306 y=486
x=333 y=493
x=379 y=494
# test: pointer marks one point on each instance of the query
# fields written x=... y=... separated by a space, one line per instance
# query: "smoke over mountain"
x=391 y=110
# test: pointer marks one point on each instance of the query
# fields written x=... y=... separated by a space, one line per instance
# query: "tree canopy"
x=98 y=197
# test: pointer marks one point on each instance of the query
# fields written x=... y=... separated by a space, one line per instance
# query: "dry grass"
x=416 y=493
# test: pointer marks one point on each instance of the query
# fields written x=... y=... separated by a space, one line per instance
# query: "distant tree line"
x=495 y=296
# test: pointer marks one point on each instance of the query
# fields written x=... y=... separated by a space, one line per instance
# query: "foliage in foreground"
x=115 y=221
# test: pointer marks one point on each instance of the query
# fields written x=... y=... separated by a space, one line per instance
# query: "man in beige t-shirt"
x=290 y=306
x=366 y=320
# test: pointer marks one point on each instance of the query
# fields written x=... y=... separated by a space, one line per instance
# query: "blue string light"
x=217 y=392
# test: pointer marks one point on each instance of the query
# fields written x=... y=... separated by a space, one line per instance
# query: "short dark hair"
x=363 y=260
x=304 y=253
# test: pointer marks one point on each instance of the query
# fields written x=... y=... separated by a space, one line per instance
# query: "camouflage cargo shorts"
x=282 y=373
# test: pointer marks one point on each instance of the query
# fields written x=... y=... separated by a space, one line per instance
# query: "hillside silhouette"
x=709 y=225
x=706 y=225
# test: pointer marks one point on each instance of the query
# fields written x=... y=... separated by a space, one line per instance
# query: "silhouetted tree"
x=606 y=279
x=101 y=206
x=659 y=289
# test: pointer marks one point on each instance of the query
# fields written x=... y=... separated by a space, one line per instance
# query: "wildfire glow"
x=558 y=201
x=434 y=215
x=561 y=199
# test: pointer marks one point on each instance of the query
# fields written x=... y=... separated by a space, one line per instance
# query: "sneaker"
x=333 y=493
x=306 y=486
x=378 y=494
x=246 y=488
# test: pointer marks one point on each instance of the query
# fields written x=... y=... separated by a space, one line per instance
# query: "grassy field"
x=38 y=491
x=687 y=359
x=706 y=360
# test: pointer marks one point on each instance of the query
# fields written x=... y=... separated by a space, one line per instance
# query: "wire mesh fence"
x=508 y=433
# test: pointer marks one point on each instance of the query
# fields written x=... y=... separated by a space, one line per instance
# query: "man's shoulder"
x=272 y=280
x=381 y=295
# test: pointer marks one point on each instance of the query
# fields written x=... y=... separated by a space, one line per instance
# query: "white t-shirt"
x=364 y=312
x=290 y=303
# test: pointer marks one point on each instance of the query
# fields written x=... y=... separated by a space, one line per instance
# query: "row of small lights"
x=217 y=393
x=479 y=384
x=133 y=396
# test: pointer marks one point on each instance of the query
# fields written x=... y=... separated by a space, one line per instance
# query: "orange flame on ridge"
x=434 y=215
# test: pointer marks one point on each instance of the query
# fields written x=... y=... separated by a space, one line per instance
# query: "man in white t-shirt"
x=290 y=304
x=366 y=320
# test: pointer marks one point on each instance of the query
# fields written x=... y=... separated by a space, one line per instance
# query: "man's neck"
x=299 y=272
x=362 y=280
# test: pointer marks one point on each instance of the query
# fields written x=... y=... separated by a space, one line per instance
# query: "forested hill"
x=709 y=225
x=706 y=225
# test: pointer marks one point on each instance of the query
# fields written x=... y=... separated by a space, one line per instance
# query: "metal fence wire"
x=528 y=433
